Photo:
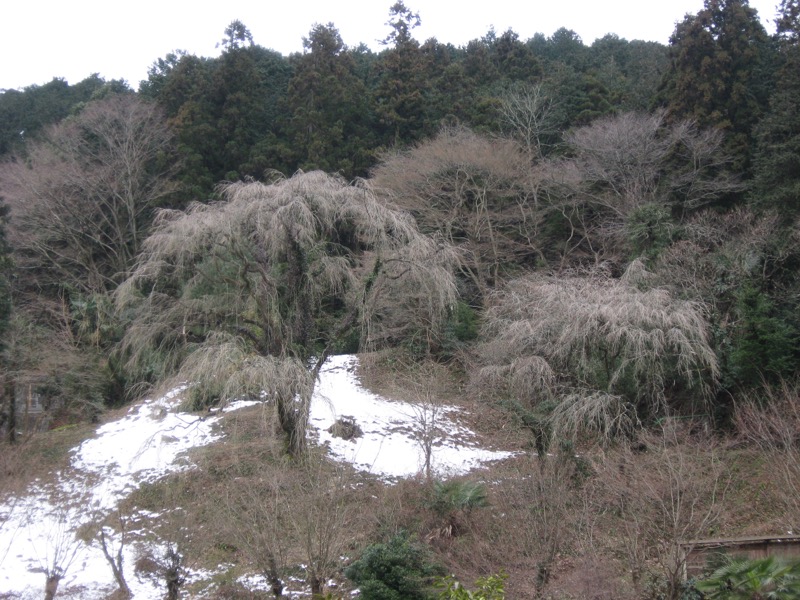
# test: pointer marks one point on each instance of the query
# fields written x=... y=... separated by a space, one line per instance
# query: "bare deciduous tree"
x=612 y=351
x=623 y=162
x=83 y=195
x=164 y=560
x=256 y=513
x=427 y=416
x=631 y=171
x=669 y=494
x=428 y=413
x=253 y=287
x=289 y=513
x=476 y=191
x=548 y=522
x=61 y=548
x=114 y=558
x=733 y=246
x=529 y=112
x=770 y=419
x=321 y=520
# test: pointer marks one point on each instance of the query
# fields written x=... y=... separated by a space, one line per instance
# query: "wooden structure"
x=699 y=553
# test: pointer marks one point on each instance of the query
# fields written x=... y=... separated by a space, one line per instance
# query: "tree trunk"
x=292 y=423
x=316 y=587
x=11 y=398
x=172 y=573
x=51 y=586
x=116 y=565
x=274 y=580
x=174 y=582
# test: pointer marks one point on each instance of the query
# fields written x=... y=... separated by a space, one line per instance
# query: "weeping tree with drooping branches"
x=249 y=295
x=597 y=352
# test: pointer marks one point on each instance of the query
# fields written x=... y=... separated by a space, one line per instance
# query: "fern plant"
x=753 y=579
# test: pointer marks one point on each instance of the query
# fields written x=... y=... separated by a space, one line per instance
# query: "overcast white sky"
x=42 y=39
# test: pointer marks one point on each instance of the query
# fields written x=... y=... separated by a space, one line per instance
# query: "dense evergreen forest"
x=597 y=237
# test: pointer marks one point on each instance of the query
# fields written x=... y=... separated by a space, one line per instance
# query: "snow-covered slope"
x=37 y=530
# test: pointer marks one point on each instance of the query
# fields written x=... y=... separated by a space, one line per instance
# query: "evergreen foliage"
x=721 y=73
x=777 y=155
x=402 y=82
x=491 y=587
x=331 y=126
x=25 y=113
x=764 y=345
x=399 y=569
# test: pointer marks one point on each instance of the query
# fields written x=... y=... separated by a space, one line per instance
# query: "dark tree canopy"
x=777 y=157
x=331 y=125
x=720 y=72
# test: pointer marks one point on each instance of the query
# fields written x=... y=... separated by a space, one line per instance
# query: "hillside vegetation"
x=593 y=249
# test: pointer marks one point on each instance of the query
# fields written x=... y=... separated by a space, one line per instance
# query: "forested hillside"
x=600 y=243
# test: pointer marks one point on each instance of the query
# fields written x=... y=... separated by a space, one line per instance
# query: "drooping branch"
x=252 y=293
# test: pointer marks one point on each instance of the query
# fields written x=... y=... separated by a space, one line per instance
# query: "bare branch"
x=251 y=288
x=610 y=349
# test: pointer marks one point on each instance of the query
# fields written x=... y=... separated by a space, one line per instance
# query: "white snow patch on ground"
x=37 y=531
x=389 y=446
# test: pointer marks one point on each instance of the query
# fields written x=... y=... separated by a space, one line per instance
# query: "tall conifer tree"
x=402 y=83
x=330 y=123
x=777 y=159
x=720 y=73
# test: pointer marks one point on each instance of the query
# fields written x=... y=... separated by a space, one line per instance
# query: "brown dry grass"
x=558 y=513
x=38 y=456
x=299 y=510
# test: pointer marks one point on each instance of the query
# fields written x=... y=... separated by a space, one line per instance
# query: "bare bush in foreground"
x=770 y=419
x=61 y=549
x=258 y=519
x=670 y=492
x=321 y=515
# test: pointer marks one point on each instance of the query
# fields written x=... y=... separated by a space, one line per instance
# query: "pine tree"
x=789 y=21
x=402 y=83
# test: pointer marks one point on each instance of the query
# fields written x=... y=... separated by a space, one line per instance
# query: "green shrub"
x=399 y=569
x=649 y=229
x=488 y=588
x=453 y=495
x=752 y=578
x=464 y=322
x=764 y=345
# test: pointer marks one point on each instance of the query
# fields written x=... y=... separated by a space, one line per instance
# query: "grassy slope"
x=552 y=517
